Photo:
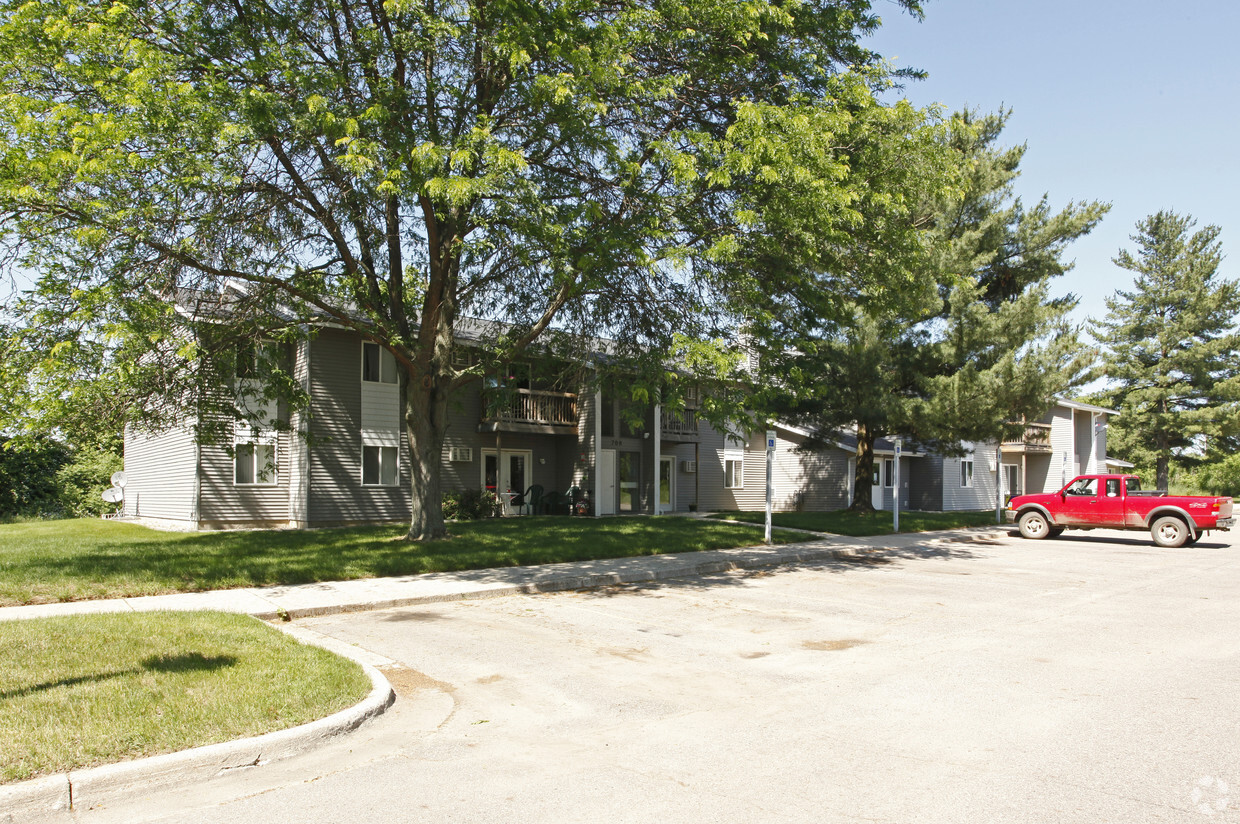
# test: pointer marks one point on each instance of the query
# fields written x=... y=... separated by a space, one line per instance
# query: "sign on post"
x=770 y=475
x=895 y=483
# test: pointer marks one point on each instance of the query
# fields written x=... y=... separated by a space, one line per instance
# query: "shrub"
x=470 y=505
x=28 y=467
x=81 y=482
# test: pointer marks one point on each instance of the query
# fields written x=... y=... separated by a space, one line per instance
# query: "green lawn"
x=48 y=561
x=79 y=691
x=876 y=523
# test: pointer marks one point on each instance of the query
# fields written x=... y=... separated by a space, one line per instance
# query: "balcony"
x=679 y=425
x=535 y=411
x=1036 y=439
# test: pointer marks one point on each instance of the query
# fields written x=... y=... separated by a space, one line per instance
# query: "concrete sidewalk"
x=303 y=600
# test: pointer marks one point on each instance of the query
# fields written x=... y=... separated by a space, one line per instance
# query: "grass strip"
x=80 y=691
x=845 y=522
x=49 y=561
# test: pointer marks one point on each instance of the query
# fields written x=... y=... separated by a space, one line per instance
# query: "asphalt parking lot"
x=1090 y=678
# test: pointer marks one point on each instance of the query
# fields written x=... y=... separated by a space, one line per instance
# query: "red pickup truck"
x=1117 y=502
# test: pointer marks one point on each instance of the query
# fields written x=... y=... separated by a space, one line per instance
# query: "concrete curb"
x=57 y=795
x=636 y=571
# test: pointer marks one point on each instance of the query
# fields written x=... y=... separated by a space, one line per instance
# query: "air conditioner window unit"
x=688 y=466
x=463 y=454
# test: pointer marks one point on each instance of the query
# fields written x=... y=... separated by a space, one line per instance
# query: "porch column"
x=597 y=495
x=658 y=453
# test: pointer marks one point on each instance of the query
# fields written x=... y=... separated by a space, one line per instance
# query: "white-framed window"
x=254 y=464
x=380 y=465
x=966 y=471
x=734 y=472
x=888 y=471
x=378 y=364
x=734 y=440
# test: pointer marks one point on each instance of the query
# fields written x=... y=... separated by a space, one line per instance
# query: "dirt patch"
x=408 y=682
x=831 y=646
x=629 y=653
x=490 y=679
x=752 y=655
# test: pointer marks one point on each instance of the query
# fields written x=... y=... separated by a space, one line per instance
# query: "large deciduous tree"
x=585 y=166
x=1172 y=344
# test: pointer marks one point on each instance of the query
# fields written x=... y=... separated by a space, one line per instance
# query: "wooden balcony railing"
x=538 y=406
x=680 y=422
x=1035 y=438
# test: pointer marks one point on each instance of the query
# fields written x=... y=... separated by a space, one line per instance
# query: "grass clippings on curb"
x=80 y=691
x=49 y=561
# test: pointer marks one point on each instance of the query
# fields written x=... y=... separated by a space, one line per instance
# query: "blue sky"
x=1132 y=103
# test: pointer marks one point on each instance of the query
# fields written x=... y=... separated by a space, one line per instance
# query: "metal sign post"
x=895 y=503
x=770 y=475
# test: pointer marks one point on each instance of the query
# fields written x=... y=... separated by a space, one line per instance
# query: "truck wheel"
x=1055 y=531
x=1169 y=531
x=1033 y=525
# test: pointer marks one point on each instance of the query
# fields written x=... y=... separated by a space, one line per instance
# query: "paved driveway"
x=1082 y=679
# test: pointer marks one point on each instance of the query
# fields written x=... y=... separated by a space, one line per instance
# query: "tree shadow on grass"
x=182 y=663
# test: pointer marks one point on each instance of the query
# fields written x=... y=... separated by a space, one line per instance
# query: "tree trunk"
x=1162 y=465
x=426 y=409
x=863 y=477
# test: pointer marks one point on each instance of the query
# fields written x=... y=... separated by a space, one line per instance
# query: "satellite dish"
x=114 y=495
x=119 y=479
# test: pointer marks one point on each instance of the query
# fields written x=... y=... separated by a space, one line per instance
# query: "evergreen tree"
x=1172 y=345
x=963 y=362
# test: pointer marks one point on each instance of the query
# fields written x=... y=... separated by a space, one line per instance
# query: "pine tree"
x=1172 y=344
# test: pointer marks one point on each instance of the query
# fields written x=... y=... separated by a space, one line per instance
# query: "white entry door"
x=507 y=474
x=605 y=494
x=667 y=485
x=876 y=484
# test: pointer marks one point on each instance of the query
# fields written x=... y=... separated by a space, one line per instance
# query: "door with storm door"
x=507 y=475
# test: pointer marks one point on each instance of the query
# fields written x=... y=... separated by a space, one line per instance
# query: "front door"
x=667 y=484
x=876 y=484
x=605 y=503
x=507 y=475
x=628 y=476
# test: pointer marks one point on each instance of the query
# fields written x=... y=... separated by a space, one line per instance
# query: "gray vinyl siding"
x=464 y=413
x=982 y=494
x=224 y=503
x=926 y=482
x=1063 y=463
x=160 y=470
x=685 y=494
x=906 y=486
x=336 y=494
x=808 y=481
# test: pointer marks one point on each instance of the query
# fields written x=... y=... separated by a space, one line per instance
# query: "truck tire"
x=1055 y=532
x=1033 y=525
x=1169 y=531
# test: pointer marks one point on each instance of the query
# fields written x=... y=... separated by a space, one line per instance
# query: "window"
x=1085 y=486
x=966 y=472
x=889 y=469
x=379 y=465
x=1112 y=487
x=734 y=473
x=378 y=364
x=254 y=464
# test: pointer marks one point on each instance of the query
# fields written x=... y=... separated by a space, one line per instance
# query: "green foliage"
x=84 y=690
x=73 y=560
x=28 y=469
x=1172 y=346
x=1219 y=477
x=470 y=505
x=81 y=482
x=970 y=343
x=598 y=168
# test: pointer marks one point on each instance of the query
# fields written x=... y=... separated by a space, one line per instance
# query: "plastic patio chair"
x=533 y=498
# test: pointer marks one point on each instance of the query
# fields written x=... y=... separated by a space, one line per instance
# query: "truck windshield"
x=1132 y=485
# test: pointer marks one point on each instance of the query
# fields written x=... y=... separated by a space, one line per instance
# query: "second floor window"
x=378 y=365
